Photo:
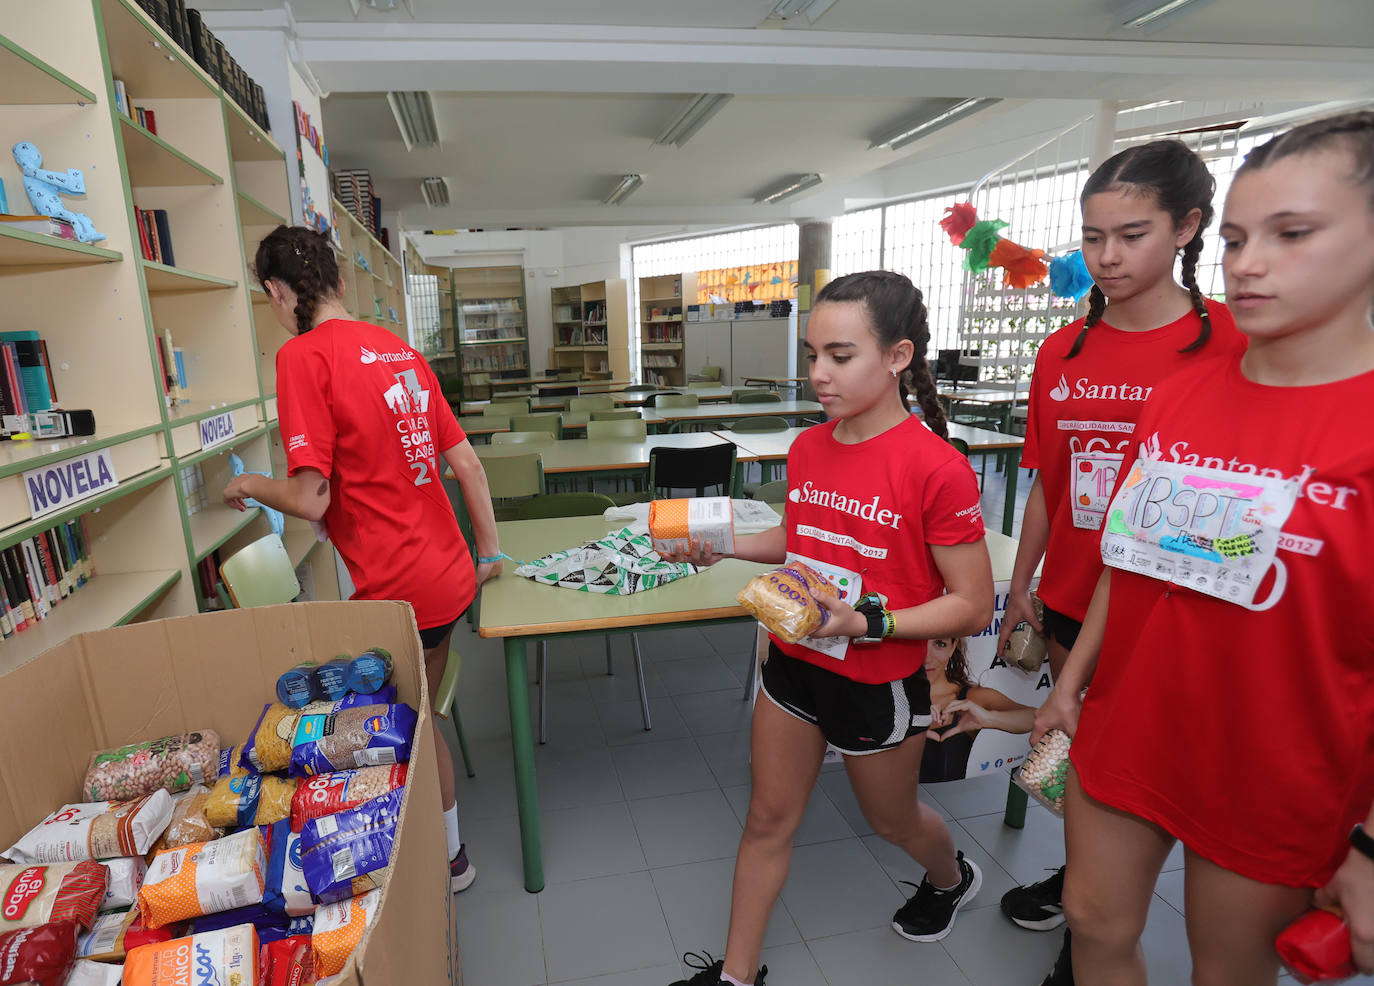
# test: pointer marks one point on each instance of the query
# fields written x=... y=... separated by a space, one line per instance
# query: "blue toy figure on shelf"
x=275 y=519
x=46 y=189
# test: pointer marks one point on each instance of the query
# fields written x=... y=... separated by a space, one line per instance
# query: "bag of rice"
x=782 y=600
x=229 y=956
x=98 y=830
x=325 y=794
x=188 y=822
x=344 y=854
x=255 y=799
x=126 y=876
x=286 y=891
x=42 y=955
x=339 y=928
x=203 y=878
x=34 y=895
x=360 y=737
x=87 y=973
x=172 y=763
x=288 y=962
x=114 y=935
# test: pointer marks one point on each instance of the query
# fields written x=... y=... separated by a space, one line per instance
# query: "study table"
x=519 y=611
x=590 y=457
x=731 y=411
x=475 y=424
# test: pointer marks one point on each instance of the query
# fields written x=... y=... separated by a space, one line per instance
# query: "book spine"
x=7 y=628
x=64 y=537
x=33 y=572
x=15 y=590
x=152 y=235
x=66 y=577
x=163 y=379
x=84 y=542
x=121 y=97
x=47 y=370
x=164 y=237
x=150 y=121
x=47 y=570
x=16 y=380
x=173 y=385
x=82 y=567
x=138 y=115
x=13 y=613
x=144 y=245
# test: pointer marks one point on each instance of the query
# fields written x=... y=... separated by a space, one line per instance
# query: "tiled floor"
x=640 y=831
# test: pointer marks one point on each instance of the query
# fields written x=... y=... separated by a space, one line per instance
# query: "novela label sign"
x=217 y=429
x=64 y=483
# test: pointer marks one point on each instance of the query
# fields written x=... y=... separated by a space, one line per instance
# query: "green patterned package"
x=618 y=564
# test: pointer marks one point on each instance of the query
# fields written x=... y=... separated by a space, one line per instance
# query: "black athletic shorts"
x=854 y=717
x=1063 y=629
x=434 y=636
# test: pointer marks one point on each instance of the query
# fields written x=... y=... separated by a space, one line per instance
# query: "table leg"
x=1015 y=815
x=765 y=470
x=1010 y=468
x=522 y=746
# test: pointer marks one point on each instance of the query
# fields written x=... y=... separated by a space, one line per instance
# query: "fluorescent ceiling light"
x=1155 y=11
x=383 y=5
x=694 y=117
x=905 y=133
x=414 y=113
x=628 y=183
x=435 y=191
x=787 y=188
x=786 y=10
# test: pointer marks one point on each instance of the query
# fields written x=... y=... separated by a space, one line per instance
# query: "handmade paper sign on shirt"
x=1212 y=530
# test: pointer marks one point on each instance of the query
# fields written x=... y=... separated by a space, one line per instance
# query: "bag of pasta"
x=256 y=799
x=269 y=745
x=782 y=600
x=359 y=737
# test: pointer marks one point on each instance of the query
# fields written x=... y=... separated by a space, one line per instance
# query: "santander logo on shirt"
x=1085 y=389
x=864 y=510
x=369 y=356
x=1322 y=494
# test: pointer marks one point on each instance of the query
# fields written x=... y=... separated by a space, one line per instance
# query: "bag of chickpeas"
x=172 y=763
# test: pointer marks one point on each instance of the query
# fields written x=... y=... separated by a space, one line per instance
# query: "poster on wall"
x=756 y=282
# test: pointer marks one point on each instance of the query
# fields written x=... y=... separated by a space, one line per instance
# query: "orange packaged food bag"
x=339 y=927
x=228 y=956
x=702 y=518
x=203 y=878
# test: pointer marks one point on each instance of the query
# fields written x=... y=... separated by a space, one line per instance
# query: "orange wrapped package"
x=339 y=927
x=203 y=878
x=228 y=956
x=702 y=518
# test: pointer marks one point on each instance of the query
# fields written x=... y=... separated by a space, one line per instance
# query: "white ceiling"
x=542 y=104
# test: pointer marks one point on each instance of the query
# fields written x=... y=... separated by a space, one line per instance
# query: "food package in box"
x=256 y=799
x=782 y=600
x=31 y=895
x=87 y=973
x=366 y=736
x=38 y=956
x=126 y=876
x=700 y=518
x=325 y=794
x=113 y=935
x=172 y=763
x=339 y=928
x=188 y=824
x=203 y=878
x=228 y=956
x=96 y=830
x=344 y=854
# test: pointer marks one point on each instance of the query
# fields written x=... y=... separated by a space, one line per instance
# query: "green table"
x=473 y=424
x=729 y=411
x=519 y=611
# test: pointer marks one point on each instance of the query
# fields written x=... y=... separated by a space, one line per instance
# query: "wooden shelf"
x=132 y=484
x=662 y=318
x=147 y=60
x=492 y=342
x=22 y=249
x=254 y=213
x=652 y=346
x=26 y=79
x=104 y=601
x=299 y=543
x=241 y=439
x=213 y=525
x=17 y=457
x=155 y=163
x=162 y=279
x=247 y=140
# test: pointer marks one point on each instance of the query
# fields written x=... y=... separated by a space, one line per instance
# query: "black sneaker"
x=929 y=914
x=1038 y=907
x=710 y=971
x=1062 y=973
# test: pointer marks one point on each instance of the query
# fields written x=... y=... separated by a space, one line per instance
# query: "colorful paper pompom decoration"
x=1069 y=277
x=1024 y=267
x=979 y=243
x=959 y=219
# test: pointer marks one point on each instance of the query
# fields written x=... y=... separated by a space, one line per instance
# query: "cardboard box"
x=215 y=671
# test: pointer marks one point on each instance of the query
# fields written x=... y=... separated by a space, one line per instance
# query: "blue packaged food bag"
x=286 y=892
x=366 y=736
x=330 y=680
x=370 y=670
x=342 y=854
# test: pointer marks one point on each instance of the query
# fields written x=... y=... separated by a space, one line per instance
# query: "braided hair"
x=1353 y=132
x=896 y=311
x=303 y=260
x=1179 y=182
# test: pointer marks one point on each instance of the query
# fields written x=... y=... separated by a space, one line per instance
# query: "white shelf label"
x=64 y=483
x=216 y=429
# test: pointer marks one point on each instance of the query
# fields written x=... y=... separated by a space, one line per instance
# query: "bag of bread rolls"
x=782 y=600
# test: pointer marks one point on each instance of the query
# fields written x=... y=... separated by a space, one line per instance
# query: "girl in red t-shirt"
x=880 y=499
x=1228 y=644
x=364 y=423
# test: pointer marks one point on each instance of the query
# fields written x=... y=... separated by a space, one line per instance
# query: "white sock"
x=725 y=977
x=451 y=830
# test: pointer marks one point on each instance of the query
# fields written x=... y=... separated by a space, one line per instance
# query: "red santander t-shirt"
x=875 y=509
x=1247 y=729
x=366 y=410
x=1081 y=415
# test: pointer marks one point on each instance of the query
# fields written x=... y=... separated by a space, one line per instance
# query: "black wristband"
x=1362 y=841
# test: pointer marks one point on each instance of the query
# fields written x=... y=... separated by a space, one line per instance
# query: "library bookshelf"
x=374 y=284
x=490 y=332
x=662 y=308
x=591 y=329
x=105 y=312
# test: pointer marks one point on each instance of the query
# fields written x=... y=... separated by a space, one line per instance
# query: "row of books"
x=207 y=573
x=670 y=332
x=353 y=189
x=47 y=225
x=26 y=381
x=171 y=366
x=145 y=118
x=155 y=236
x=38 y=573
x=186 y=27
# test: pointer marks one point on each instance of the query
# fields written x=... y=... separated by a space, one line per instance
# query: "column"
x=813 y=257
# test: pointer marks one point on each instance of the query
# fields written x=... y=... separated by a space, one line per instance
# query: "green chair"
x=522 y=438
x=478 y=381
x=521 y=406
x=774 y=492
x=514 y=477
x=571 y=375
x=760 y=425
x=260 y=574
x=712 y=373
x=624 y=429
x=758 y=397
x=702 y=385
x=619 y=414
x=577 y=505
x=550 y=423
x=446 y=704
x=677 y=400
x=496 y=420
x=591 y=402
x=640 y=388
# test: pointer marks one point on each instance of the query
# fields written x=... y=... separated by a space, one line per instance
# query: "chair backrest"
x=758 y=397
x=569 y=374
x=960 y=446
x=494 y=420
x=522 y=438
x=693 y=468
x=617 y=414
x=712 y=372
x=479 y=379
x=767 y=422
x=260 y=574
x=617 y=429
x=774 y=492
x=677 y=400
x=591 y=402
x=508 y=407
x=568 y=391
x=564 y=505
x=511 y=476
x=640 y=388
x=551 y=423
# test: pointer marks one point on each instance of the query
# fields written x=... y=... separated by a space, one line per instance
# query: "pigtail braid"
x=1191 y=252
x=1097 y=304
x=917 y=373
x=304 y=261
